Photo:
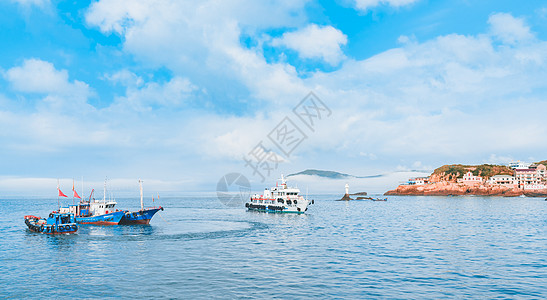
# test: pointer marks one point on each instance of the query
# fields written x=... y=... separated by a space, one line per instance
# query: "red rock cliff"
x=446 y=188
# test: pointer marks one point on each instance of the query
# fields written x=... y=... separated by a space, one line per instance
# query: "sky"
x=180 y=93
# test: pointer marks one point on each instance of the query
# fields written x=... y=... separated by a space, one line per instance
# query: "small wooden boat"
x=56 y=223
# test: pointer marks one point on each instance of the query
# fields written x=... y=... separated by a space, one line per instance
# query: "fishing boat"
x=142 y=216
x=96 y=212
x=56 y=223
x=280 y=199
x=104 y=212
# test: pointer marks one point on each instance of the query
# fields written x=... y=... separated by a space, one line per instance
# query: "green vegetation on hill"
x=542 y=163
x=455 y=171
x=452 y=172
x=487 y=171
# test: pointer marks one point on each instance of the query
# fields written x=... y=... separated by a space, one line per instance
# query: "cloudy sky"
x=179 y=93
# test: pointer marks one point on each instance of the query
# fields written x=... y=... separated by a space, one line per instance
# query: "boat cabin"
x=56 y=218
x=86 y=209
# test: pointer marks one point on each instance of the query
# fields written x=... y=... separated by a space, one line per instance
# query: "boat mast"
x=104 y=195
x=58 y=190
x=142 y=204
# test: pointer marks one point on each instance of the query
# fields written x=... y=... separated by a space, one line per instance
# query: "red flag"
x=75 y=195
x=61 y=194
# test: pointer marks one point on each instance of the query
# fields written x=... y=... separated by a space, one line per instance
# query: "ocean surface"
x=405 y=248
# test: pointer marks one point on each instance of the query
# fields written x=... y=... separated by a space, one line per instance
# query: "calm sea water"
x=408 y=247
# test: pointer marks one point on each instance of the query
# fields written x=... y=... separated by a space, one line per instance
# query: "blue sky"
x=178 y=92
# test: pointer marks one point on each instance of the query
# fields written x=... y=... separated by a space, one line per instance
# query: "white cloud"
x=366 y=4
x=452 y=96
x=499 y=159
x=370 y=156
x=38 y=76
x=201 y=41
x=509 y=29
x=315 y=42
x=125 y=78
x=141 y=96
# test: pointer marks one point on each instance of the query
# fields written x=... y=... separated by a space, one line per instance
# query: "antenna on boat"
x=58 y=193
x=104 y=195
x=142 y=204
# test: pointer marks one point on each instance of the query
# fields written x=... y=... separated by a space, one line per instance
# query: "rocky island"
x=513 y=180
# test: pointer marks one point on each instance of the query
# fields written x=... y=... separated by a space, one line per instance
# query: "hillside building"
x=418 y=181
x=504 y=180
x=470 y=179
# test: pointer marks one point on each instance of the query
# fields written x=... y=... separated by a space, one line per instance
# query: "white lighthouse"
x=347 y=189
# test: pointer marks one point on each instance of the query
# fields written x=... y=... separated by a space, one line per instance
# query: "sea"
x=197 y=248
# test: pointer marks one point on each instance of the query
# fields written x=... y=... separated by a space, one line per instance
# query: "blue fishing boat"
x=142 y=216
x=95 y=212
x=56 y=223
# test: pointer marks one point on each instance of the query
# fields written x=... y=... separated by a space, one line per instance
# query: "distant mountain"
x=338 y=175
x=320 y=173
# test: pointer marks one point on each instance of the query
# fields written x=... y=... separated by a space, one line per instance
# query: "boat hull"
x=275 y=208
x=34 y=226
x=141 y=217
x=113 y=218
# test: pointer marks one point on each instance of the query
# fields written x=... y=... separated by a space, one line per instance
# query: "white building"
x=418 y=181
x=540 y=170
x=505 y=180
x=470 y=179
x=518 y=165
x=527 y=177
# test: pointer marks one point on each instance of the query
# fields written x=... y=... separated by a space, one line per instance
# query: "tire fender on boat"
x=74 y=227
x=42 y=227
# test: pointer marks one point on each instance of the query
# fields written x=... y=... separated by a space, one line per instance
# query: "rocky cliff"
x=446 y=188
x=443 y=182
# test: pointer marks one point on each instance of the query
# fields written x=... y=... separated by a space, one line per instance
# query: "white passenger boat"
x=280 y=199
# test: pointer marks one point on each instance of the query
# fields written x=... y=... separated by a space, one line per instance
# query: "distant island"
x=513 y=180
x=338 y=175
x=321 y=173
